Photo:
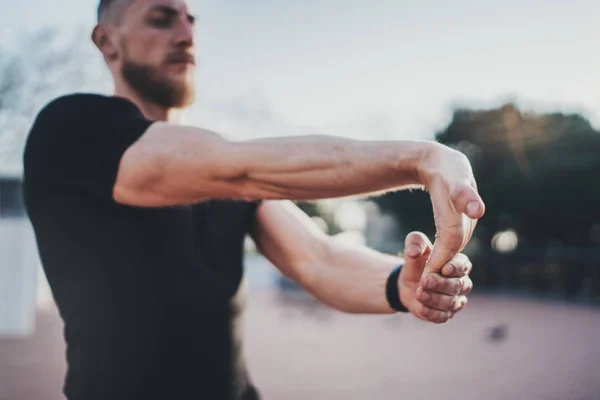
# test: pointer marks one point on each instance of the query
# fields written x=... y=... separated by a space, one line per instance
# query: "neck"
x=151 y=110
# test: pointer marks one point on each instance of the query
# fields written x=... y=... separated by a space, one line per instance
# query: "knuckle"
x=461 y=304
x=432 y=282
x=458 y=268
x=454 y=303
x=462 y=158
x=458 y=287
x=462 y=186
x=454 y=267
x=467 y=267
x=468 y=288
x=464 y=303
x=442 y=317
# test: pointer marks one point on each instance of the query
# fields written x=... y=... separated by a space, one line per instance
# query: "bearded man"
x=140 y=221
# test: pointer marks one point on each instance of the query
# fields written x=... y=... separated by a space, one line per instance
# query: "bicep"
x=290 y=240
x=171 y=165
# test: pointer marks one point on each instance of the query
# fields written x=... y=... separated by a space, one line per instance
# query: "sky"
x=366 y=69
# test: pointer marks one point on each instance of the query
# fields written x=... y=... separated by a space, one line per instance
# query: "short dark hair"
x=105 y=6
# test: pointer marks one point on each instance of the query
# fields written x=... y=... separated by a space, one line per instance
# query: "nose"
x=184 y=35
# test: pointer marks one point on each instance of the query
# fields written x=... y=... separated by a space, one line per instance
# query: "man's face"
x=156 y=51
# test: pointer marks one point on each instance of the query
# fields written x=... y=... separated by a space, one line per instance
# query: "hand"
x=435 y=297
x=448 y=177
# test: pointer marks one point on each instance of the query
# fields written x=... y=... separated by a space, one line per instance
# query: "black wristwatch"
x=392 y=293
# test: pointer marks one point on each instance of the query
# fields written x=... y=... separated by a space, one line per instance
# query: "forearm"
x=353 y=279
x=315 y=167
x=174 y=165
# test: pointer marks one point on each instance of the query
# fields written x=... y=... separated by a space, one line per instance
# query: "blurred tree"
x=315 y=210
x=39 y=67
x=536 y=174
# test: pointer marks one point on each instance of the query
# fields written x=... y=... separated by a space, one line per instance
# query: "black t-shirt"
x=150 y=296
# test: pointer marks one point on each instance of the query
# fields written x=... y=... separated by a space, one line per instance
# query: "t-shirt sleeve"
x=77 y=142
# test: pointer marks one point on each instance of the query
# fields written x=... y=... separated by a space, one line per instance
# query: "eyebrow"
x=171 y=12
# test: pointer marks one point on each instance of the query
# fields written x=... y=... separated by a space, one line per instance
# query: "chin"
x=181 y=78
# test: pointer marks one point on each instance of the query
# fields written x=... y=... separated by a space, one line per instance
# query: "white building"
x=19 y=262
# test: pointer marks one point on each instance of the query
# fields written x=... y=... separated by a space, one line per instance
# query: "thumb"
x=467 y=201
x=416 y=245
x=417 y=248
x=440 y=255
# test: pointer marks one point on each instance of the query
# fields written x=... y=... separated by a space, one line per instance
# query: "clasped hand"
x=435 y=279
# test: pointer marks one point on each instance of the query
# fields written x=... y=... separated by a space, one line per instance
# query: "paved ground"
x=298 y=350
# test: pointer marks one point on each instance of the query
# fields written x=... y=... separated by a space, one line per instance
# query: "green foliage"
x=538 y=175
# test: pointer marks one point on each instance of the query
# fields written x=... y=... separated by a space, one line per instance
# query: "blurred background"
x=512 y=84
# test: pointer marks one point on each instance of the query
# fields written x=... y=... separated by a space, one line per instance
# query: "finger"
x=467 y=201
x=443 y=285
x=459 y=266
x=462 y=303
x=433 y=315
x=467 y=286
x=417 y=245
x=416 y=251
x=438 y=301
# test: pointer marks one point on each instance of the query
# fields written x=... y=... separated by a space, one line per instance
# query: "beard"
x=148 y=83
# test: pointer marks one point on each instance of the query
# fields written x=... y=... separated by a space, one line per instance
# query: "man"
x=140 y=221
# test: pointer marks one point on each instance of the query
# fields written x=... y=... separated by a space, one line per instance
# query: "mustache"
x=181 y=56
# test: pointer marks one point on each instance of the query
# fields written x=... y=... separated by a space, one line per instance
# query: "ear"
x=104 y=42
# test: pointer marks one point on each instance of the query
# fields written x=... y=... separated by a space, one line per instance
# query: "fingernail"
x=473 y=208
x=414 y=251
x=450 y=270
x=425 y=296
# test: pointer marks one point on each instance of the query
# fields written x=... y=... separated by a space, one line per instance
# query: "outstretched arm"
x=171 y=165
x=353 y=279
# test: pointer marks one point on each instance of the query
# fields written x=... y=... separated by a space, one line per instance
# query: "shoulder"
x=67 y=117
x=79 y=106
x=83 y=124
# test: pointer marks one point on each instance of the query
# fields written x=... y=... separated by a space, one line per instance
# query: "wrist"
x=427 y=163
x=393 y=290
x=416 y=161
